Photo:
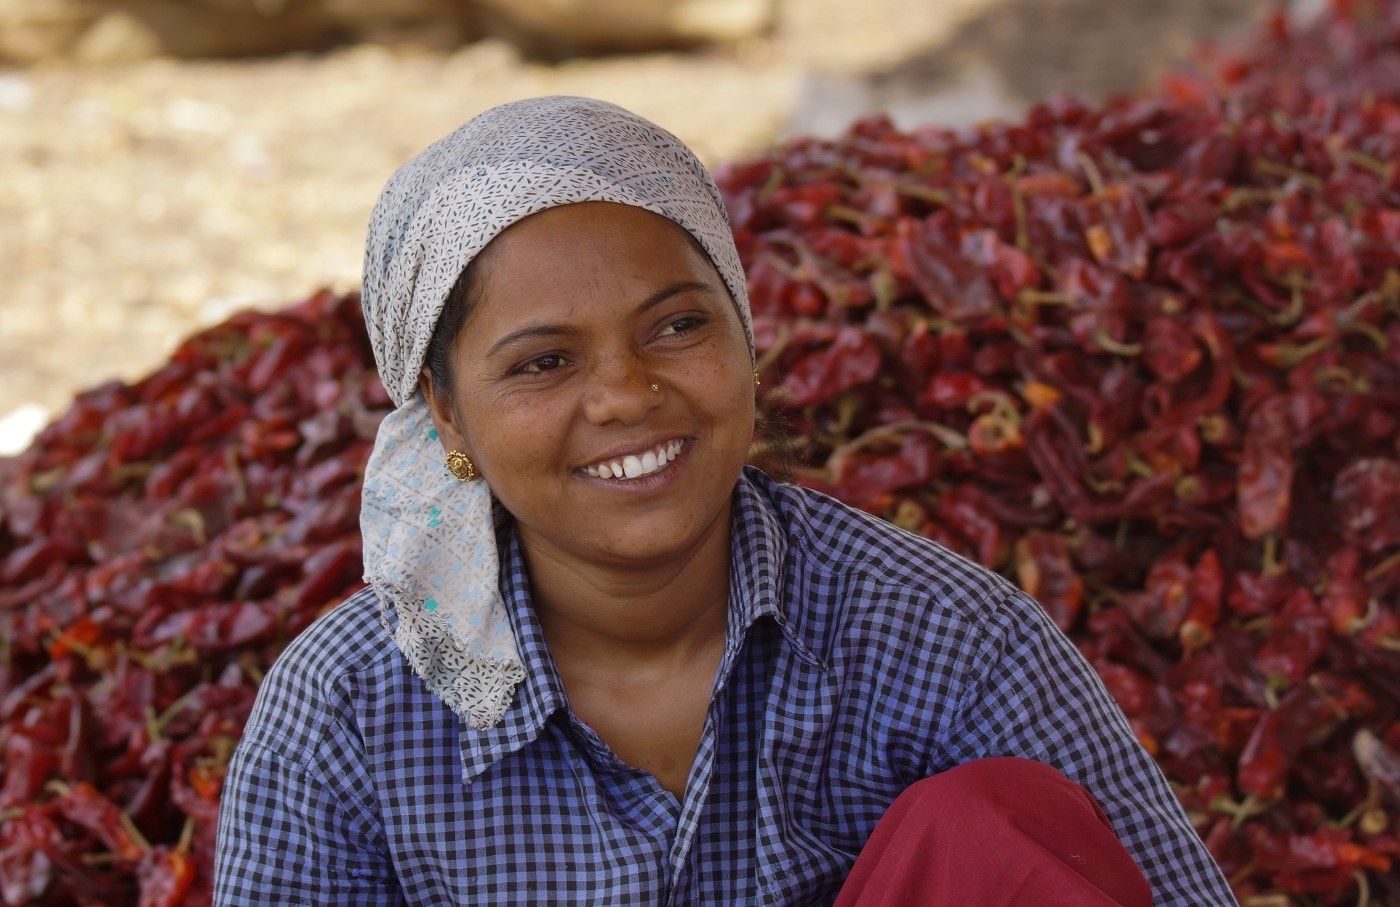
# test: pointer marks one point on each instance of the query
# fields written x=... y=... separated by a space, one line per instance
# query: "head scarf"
x=429 y=538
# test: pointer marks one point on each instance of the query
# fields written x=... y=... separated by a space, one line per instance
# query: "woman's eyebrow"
x=550 y=330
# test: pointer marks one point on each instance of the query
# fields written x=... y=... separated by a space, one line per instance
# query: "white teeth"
x=632 y=466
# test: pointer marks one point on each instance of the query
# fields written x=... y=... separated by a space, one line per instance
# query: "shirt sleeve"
x=288 y=834
x=1034 y=695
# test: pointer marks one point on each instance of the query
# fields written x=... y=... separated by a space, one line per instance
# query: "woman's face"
x=582 y=308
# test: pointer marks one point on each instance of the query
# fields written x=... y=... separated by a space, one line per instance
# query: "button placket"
x=697 y=789
x=661 y=813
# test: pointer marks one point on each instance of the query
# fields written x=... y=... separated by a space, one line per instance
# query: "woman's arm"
x=1033 y=694
x=292 y=832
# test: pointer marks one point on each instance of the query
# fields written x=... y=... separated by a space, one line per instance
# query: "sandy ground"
x=143 y=201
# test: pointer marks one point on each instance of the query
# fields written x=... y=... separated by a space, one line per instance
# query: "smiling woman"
x=581 y=310
x=774 y=438
x=602 y=657
x=558 y=369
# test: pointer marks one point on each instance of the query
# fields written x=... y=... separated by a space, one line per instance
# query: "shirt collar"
x=757 y=550
x=758 y=547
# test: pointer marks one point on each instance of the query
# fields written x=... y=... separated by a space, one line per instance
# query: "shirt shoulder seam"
x=373 y=654
x=868 y=522
x=304 y=761
x=327 y=686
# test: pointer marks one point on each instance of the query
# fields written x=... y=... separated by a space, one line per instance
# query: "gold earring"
x=460 y=466
x=656 y=387
x=755 y=378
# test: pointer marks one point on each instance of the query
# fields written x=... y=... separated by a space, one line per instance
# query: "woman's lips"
x=650 y=483
x=660 y=452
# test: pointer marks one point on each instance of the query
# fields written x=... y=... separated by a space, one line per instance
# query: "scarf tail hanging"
x=475 y=686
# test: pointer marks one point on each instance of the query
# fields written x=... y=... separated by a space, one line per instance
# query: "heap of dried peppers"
x=161 y=544
x=1142 y=358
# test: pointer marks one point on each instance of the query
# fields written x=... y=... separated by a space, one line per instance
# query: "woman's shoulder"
x=309 y=682
x=897 y=567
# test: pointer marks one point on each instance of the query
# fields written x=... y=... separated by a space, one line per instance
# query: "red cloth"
x=998 y=832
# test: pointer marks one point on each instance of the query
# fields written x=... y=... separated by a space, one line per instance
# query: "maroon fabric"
x=998 y=832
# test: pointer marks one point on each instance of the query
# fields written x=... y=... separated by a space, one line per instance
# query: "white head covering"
x=429 y=538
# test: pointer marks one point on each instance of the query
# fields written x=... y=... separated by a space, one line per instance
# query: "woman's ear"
x=440 y=411
x=425 y=385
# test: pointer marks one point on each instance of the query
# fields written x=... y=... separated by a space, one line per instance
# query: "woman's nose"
x=621 y=391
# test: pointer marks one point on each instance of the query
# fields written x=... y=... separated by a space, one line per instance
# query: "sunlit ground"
x=143 y=200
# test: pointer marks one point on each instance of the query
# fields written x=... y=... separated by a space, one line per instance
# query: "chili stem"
x=186 y=835
x=1116 y=347
x=1091 y=172
x=1363 y=888
x=923 y=193
x=170 y=711
x=1044 y=297
x=771 y=356
x=948 y=436
x=135 y=832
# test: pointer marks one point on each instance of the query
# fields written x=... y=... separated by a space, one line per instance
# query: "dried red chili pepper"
x=1297 y=640
x=1207 y=592
x=25 y=869
x=1366 y=497
x=166 y=876
x=851 y=360
x=83 y=804
x=1160 y=609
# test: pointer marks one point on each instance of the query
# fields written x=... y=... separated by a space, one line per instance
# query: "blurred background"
x=169 y=162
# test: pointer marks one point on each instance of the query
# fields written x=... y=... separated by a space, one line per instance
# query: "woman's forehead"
x=591 y=244
x=587 y=219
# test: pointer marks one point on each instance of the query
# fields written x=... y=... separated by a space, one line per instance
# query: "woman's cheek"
x=528 y=431
x=506 y=428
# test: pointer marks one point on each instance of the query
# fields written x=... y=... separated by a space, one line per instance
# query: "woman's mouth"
x=649 y=471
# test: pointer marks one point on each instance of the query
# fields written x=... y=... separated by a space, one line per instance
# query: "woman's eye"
x=693 y=321
x=526 y=370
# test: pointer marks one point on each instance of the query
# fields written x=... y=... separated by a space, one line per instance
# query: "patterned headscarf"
x=429 y=538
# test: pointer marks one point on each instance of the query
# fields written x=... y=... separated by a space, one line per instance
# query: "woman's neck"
x=651 y=620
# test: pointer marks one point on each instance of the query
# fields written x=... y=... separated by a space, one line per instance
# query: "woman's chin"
x=657 y=531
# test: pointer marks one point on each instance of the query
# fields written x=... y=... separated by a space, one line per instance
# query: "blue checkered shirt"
x=858 y=659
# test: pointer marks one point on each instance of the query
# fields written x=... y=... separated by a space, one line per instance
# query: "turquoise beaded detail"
x=430 y=604
x=434 y=516
x=432 y=434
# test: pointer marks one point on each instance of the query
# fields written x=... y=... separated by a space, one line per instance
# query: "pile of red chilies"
x=162 y=543
x=1143 y=359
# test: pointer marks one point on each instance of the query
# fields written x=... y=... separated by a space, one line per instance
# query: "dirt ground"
x=140 y=202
